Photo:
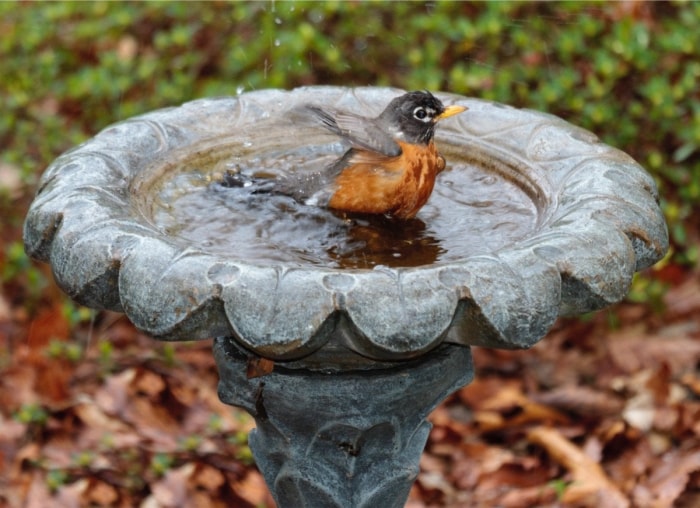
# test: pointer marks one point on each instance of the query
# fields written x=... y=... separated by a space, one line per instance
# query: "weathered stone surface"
x=346 y=439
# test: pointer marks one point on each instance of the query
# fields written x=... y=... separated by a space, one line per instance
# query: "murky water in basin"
x=471 y=211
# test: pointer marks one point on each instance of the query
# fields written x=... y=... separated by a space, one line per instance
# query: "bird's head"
x=413 y=116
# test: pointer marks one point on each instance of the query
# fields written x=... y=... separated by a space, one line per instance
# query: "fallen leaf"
x=99 y=493
x=481 y=390
x=684 y=299
x=635 y=458
x=527 y=497
x=207 y=477
x=668 y=480
x=92 y=416
x=252 y=488
x=113 y=396
x=434 y=481
x=148 y=383
x=171 y=490
x=509 y=407
x=692 y=381
x=590 y=485
x=633 y=351
x=70 y=495
x=49 y=324
x=11 y=180
x=581 y=400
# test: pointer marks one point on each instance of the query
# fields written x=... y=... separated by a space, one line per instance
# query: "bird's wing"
x=361 y=132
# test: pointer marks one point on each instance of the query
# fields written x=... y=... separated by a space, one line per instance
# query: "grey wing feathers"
x=359 y=131
x=326 y=119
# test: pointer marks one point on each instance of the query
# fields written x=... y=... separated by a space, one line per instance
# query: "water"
x=472 y=211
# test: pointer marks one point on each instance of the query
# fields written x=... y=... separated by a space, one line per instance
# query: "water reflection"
x=379 y=240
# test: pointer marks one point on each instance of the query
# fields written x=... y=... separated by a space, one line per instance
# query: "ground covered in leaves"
x=603 y=412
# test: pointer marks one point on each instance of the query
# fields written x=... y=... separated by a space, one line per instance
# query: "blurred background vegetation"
x=627 y=71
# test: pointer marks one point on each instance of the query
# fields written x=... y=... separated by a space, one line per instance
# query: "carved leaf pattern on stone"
x=600 y=222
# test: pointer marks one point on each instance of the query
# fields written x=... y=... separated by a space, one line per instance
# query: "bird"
x=389 y=168
x=391 y=165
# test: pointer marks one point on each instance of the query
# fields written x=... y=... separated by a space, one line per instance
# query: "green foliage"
x=647 y=290
x=559 y=486
x=161 y=463
x=245 y=455
x=243 y=452
x=84 y=458
x=105 y=355
x=60 y=349
x=629 y=74
x=167 y=351
x=32 y=413
x=56 y=478
x=190 y=443
x=16 y=266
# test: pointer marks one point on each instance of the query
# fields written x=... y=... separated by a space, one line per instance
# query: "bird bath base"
x=341 y=439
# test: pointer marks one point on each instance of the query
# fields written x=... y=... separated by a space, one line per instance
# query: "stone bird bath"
x=369 y=322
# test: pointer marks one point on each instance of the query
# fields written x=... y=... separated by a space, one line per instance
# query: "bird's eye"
x=420 y=113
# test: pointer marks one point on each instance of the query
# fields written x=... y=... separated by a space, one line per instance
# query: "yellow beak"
x=450 y=111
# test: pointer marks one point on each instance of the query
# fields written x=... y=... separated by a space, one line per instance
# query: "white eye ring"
x=423 y=114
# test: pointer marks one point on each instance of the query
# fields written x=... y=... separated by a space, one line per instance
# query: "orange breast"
x=399 y=186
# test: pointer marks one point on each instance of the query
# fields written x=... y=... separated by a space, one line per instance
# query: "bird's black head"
x=413 y=116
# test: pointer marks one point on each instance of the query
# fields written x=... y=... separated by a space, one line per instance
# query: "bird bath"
x=368 y=320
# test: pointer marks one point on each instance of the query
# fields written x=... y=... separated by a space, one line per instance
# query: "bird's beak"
x=450 y=111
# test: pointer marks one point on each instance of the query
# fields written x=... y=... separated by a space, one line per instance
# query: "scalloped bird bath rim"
x=598 y=222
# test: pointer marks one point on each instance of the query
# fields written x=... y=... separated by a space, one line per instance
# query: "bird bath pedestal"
x=340 y=335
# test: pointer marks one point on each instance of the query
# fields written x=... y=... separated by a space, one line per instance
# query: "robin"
x=390 y=167
x=392 y=162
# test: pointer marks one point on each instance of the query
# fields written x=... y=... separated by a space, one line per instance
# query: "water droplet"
x=277 y=42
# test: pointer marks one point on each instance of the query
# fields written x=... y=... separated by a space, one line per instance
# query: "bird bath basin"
x=368 y=320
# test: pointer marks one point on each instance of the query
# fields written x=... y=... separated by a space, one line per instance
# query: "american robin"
x=392 y=162
x=390 y=167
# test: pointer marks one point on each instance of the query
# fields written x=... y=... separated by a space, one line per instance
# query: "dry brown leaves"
x=587 y=418
x=140 y=426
